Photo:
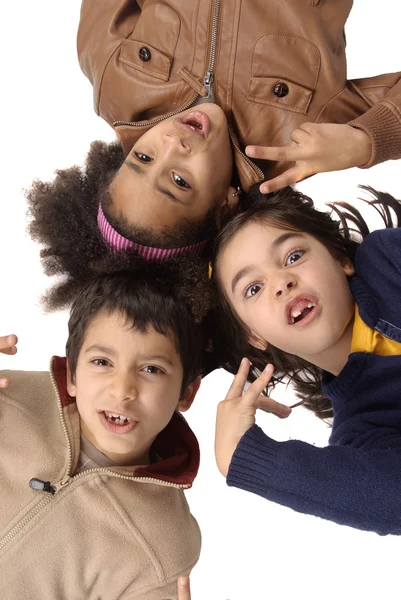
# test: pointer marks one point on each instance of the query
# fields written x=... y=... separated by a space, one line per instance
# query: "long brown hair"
x=341 y=231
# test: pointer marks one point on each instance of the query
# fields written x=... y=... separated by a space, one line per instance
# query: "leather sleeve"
x=382 y=122
x=102 y=27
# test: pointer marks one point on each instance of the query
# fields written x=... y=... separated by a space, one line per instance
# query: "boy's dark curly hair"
x=63 y=218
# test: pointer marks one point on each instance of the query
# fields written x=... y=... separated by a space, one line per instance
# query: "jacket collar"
x=176 y=444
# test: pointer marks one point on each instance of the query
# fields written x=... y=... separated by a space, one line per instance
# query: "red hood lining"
x=177 y=442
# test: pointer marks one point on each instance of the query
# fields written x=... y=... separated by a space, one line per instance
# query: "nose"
x=124 y=387
x=176 y=143
x=284 y=285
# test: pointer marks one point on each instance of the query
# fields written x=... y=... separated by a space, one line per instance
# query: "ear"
x=186 y=401
x=348 y=267
x=257 y=342
x=71 y=387
x=226 y=205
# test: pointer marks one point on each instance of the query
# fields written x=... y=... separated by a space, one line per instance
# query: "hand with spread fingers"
x=315 y=148
x=8 y=345
x=236 y=414
x=184 y=590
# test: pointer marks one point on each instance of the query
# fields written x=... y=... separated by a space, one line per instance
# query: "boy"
x=95 y=457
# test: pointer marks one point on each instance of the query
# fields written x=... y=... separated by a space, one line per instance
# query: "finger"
x=299 y=136
x=269 y=405
x=7 y=342
x=239 y=381
x=252 y=394
x=10 y=351
x=287 y=178
x=283 y=153
x=184 y=590
x=308 y=127
x=4 y=381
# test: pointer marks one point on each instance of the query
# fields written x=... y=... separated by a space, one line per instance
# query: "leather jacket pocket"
x=151 y=46
x=284 y=71
x=158 y=65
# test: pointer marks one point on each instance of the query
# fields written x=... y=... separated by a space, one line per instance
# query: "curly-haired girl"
x=301 y=294
x=188 y=86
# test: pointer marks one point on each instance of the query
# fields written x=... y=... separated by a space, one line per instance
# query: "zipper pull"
x=43 y=486
x=208 y=84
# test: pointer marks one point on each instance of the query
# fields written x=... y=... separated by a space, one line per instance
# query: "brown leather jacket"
x=270 y=64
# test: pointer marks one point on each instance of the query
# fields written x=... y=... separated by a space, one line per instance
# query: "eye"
x=294 y=256
x=153 y=370
x=252 y=290
x=101 y=362
x=143 y=157
x=180 y=181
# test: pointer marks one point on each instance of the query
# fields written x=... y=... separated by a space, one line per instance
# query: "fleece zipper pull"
x=43 y=486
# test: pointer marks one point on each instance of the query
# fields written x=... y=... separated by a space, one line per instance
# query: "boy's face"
x=121 y=371
x=179 y=169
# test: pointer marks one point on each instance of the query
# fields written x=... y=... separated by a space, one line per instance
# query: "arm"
x=348 y=485
x=357 y=483
x=372 y=138
x=382 y=122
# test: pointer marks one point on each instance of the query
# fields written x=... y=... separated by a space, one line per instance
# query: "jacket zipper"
x=45 y=486
x=209 y=77
x=244 y=156
x=207 y=80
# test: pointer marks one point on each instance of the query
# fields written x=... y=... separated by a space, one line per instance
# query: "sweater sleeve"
x=345 y=484
x=382 y=122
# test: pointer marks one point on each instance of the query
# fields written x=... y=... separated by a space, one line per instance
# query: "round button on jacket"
x=280 y=90
x=144 y=54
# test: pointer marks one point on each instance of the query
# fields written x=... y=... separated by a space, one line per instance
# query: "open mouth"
x=117 y=419
x=117 y=423
x=197 y=121
x=301 y=310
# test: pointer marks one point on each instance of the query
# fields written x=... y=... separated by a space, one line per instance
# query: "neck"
x=335 y=358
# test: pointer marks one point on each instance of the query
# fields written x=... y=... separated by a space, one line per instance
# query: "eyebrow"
x=275 y=245
x=164 y=191
x=146 y=357
x=102 y=349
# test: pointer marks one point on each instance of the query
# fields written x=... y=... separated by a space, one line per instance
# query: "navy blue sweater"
x=356 y=480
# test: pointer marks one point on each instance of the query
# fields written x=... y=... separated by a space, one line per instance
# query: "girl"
x=302 y=294
x=188 y=86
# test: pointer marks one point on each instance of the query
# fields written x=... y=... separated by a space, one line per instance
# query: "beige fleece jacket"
x=107 y=533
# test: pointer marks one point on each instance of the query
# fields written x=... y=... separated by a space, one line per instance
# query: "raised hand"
x=8 y=345
x=315 y=148
x=236 y=414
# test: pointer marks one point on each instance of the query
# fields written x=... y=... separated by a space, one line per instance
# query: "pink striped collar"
x=118 y=242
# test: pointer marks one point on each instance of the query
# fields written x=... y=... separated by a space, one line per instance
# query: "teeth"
x=310 y=305
x=296 y=313
x=114 y=418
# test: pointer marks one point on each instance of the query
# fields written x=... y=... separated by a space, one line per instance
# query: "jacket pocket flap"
x=158 y=65
x=297 y=99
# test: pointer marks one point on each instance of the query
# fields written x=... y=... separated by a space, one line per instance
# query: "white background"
x=251 y=547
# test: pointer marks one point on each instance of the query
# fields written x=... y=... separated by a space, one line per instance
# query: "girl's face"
x=288 y=289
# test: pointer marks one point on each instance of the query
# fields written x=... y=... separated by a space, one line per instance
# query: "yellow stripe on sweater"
x=365 y=339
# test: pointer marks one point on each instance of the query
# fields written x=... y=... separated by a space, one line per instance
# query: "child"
x=303 y=297
x=187 y=86
x=95 y=457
